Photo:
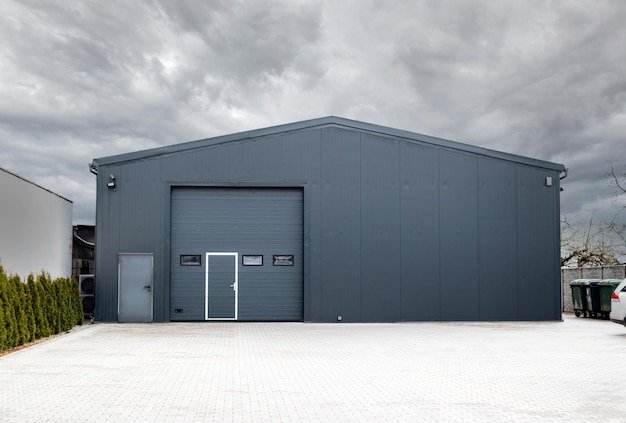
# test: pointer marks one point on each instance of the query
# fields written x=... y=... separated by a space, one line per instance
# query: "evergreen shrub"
x=37 y=308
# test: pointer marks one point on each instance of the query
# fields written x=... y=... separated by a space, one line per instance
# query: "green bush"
x=3 y=330
x=21 y=306
x=36 y=295
x=36 y=309
x=9 y=301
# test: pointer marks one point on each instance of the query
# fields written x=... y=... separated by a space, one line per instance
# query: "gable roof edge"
x=322 y=122
x=15 y=175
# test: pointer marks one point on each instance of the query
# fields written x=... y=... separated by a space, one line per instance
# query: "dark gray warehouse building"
x=325 y=220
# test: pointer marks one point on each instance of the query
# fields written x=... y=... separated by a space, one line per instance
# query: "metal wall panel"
x=539 y=297
x=140 y=190
x=128 y=222
x=419 y=233
x=497 y=211
x=107 y=246
x=341 y=225
x=214 y=163
x=395 y=228
x=222 y=163
x=302 y=161
x=260 y=221
x=458 y=236
x=380 y=229
x=269 y=152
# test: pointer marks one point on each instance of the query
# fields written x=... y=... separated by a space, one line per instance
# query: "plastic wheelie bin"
x=593 y=297
x=606 y=287
x=579 y=296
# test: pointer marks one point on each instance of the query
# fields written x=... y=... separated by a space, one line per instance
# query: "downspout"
x=562 y=175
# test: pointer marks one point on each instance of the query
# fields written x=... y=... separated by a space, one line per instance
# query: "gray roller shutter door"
x=265 y=222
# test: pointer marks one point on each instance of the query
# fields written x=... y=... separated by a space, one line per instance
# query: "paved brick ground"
x=574 y=371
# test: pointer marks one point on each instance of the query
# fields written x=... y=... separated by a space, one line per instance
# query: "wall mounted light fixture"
x=111 y=184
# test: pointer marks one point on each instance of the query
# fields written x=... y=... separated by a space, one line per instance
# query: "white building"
x=35 y=228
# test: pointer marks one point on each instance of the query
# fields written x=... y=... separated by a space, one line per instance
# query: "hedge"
x=36 y=309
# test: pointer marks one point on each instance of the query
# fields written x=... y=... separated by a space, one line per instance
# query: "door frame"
x=308 y=314
x=235 y=287
x=148 y=288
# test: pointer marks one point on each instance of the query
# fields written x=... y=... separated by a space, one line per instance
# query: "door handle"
x=148 y=287
x=233 y=285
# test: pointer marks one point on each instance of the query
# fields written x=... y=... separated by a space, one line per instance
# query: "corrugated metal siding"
x=497 y=211
x=340 y=210
x=269 y=152
x=397 y=229
x=302 y=161
x=107 y=246
x=380 y=229
x=247 y=221
x=420 y=232
x=537 y=235
x=141 y=192
x=459 y=236
x=127 y=222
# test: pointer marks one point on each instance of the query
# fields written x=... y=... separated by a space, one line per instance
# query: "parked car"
x=618 y=304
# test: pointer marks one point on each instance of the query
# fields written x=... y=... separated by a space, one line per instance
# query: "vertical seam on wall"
x=400 y=210
x=478 y=274
x=439 y=184
x=517 y=242
x=322 y=283
x=117 y=256
x=320 y=181
x=360 y=185
x=557 y=243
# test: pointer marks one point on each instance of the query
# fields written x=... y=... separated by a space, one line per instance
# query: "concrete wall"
x=570 y=274
x=35 y=228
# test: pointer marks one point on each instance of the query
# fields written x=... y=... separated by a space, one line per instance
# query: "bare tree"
x=597 y=244
x=586 y=245
x=619 y=180
x=617 y=226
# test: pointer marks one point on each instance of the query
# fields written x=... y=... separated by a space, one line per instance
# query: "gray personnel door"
x=135 y=272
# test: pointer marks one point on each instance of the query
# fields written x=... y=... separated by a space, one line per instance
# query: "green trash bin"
x=579 y=296
x=607 y=286
x=593 y=297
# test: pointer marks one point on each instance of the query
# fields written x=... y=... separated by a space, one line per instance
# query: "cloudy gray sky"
x=85 y=79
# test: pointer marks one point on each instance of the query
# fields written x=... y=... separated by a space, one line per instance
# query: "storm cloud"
x=85 y=79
